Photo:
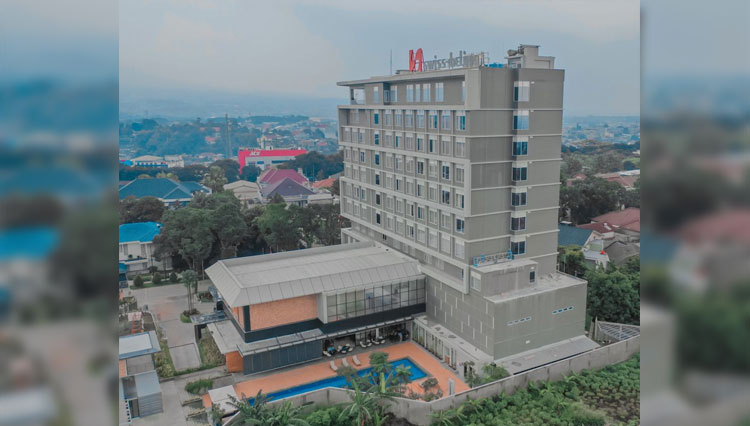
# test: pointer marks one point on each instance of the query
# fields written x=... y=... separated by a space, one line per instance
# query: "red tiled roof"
x=729 y=225
x=272 y=176
x=325 y=183
x=600 y=227
x=629 y=218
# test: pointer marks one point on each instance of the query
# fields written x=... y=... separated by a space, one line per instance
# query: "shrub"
x=199 y=387
x=138 y=281
x=152 y=269
x=429 y=383
x=157 y=278
x=173 y=277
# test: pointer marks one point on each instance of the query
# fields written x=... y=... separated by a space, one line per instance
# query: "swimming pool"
x=340 y=382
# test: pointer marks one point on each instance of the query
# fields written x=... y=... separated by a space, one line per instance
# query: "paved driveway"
x=166 y=303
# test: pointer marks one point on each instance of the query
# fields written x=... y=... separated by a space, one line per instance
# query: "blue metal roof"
x=166 y=189
x=28 y=243
x=139 y=231
x=570 y=235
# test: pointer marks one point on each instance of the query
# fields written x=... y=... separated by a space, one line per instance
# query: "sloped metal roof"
x=267 y=278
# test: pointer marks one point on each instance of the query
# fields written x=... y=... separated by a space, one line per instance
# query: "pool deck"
x=284 y=379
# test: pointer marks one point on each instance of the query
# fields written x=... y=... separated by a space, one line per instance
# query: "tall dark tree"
x=280 y=227
x=187 y=233
x=231 y=169
x=145 y=209
x=589 y=198
x=250 y=173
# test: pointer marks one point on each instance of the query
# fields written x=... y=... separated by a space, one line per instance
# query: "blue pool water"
x=340 y=382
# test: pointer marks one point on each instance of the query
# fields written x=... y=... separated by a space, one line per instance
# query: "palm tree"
x=259 y=413
x=363 y=407
x=450 y=417
x=251 y=414
x=283 y=415
x=403 y=376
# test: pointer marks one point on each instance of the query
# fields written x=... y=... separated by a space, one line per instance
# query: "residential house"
x=570 y=235
x=247 y=192
x=169 y=191
x=626 y=223
x=324 y=184
x=137 y=247
x=138 y=381
x=292 y=192
x=272 y=176
x=620 y=251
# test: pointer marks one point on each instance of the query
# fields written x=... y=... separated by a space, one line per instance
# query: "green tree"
x=260 y=413
x=146 y=209
x=189 y=280
x=187 y=233
x=250 y=173
x=138 y=281
x=571 y=260
x=591 y=197
x=173 y=277
x=280 y=227
x=613 y=296
x=327 y=224
x=363 y=408
x=227 y=222
x=231 y=169
x=215 y=179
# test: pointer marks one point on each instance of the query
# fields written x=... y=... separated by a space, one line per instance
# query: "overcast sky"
x=305 y=47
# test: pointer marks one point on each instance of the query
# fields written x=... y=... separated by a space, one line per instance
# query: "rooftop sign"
x=463 y=60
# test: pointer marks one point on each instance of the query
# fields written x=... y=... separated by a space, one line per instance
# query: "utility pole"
x=228 y=141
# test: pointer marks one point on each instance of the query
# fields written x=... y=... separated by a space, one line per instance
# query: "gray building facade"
x=460 y=169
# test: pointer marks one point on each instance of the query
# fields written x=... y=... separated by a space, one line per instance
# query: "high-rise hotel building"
x=460 y=169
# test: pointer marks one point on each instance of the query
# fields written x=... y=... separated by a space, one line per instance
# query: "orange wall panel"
x=234 y=362
x=281 y=312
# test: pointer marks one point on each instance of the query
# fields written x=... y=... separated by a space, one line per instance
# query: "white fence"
x=418 y=412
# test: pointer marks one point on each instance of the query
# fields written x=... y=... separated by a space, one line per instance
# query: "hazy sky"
x=305 y=47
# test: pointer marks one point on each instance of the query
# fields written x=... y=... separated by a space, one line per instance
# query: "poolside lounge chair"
x=356 y=360
x=333 y=366
x=325 y=353
x=346 y=364
x=362 y=343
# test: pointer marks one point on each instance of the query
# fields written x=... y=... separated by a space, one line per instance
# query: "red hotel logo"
x=414 y=59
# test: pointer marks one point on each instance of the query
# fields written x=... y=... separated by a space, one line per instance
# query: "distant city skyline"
x=176 y=50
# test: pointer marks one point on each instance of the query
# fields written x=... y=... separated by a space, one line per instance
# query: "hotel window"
x=460 y=225
x=421 y=235
x=376 y=117
x=389 y=161
x=445 y=146
x=356 y=210
x=400 y=226
x=518 y=198
x=397 y=140
x=445 y=220
x=433 y=168
x=445 y=196
x=409 y=93
x=521 y=119
x=409 y=186
x=420 y=190
x=347 y=135
x=433 y=119
x=420 y=212
x=520 y=146
x=399 y=162
x=458 y=251
x=459 y=200
x=446 y=172
x=398 y=118
x=445 y=120
x=431 y=145
x=461 y=120
x=439 y=94
x=389 y=203
x=518 y=247
x=410 y=165
x=388 y=180
x=389 y=140
x=410 y=230
x=476 y=282
x=460 y=147
x=459 y=174
x=520 y=172
x=433 y=239
x=376 y=95
x=517 y=221
x=362 y=157
x=420 y=119
x=433 y=193
x=377 y=217
x=361 y=137
x=363 y=194
x=399 y=185
x=410 y=142
x=445 y=243
x=394 y=94
x=463 y=91
x=416 y=93
x=532 y=276
x=355 y=116
x=433 y=216
x=387 y=118
x=377 y=179
x=400 y=206
x=409 y=120
x=389 y=222
x=377 y=159
x=420 y=167
x=521 y=90
x=420 y=143
x=376 y=138
x=425 y=93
